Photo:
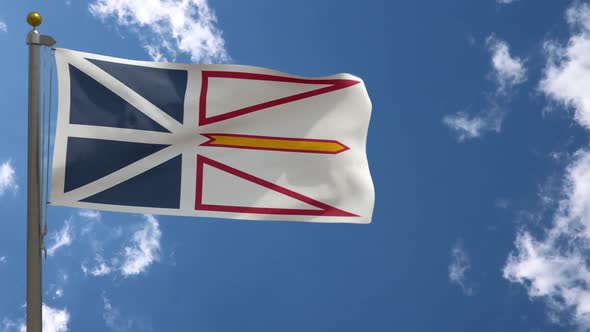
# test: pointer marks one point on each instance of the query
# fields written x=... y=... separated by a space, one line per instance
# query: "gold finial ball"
x=34 y=19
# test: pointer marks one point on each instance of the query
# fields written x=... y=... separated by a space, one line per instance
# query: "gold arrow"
x=274 y=143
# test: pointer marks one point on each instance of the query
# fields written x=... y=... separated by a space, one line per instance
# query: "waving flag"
x=220 y=141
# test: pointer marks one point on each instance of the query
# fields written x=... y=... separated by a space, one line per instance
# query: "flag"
x=222 y=141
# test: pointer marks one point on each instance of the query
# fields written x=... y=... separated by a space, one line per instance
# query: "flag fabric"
x=222 y=141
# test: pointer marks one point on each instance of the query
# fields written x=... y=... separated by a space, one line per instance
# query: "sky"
x=478 y=148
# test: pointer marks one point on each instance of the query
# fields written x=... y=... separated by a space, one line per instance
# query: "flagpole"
x=34 y=296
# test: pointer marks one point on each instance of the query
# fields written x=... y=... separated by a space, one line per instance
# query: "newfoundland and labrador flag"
x=220 y=141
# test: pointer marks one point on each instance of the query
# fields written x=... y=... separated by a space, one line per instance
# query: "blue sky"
x=478 y=148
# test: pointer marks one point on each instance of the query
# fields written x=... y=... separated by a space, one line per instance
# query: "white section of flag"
x=235 y=187
x=247 y=92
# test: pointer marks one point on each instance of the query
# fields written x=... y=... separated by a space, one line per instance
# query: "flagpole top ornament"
x=34 y=19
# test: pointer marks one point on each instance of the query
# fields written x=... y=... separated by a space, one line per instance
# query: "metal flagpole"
x=35 y=41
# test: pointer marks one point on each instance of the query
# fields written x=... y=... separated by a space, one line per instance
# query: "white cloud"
x=63 y=275
x=57 y=289
x=54 y=320
x=144 y=249
x=7 y=176
x=458 y=267
x=568 y=69
x=168 y=26
x=100 y=269
x=3 y=27
x=502 y=203
x=59 y=293
x=118 y=322
x=63 y=238
x=554 y=266
x=9 y=325
x=505 y=2
x=3 y=259
x=110 y=314
x=112 y=317
x=508 y=72
x=467 y=127
x=155 y=53
x=141 y=251
x=90 y=214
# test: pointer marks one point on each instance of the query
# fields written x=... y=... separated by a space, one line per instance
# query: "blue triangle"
x=165 y=88
x=88 y=159
x=93 y=104
x=158 y=187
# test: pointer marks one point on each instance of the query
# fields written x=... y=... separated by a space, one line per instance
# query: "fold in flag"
x=220 y=141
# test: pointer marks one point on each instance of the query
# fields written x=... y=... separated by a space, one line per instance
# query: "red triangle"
x=334 y=84
x=324 y=209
